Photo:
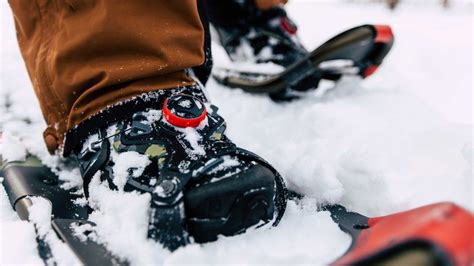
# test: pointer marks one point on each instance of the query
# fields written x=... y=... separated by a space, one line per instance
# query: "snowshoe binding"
x=201 y=183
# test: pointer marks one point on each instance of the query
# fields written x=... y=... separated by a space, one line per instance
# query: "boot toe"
x=231 y=204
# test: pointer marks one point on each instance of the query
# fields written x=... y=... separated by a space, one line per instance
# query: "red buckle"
x=384 y=33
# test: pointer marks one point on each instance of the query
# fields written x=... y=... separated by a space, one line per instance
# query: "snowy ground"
x=398 y=140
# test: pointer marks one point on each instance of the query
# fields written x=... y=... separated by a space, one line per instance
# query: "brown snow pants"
x=85 y=55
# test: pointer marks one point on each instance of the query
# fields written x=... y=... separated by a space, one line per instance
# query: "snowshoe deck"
x=358 y=51
x=30 y=178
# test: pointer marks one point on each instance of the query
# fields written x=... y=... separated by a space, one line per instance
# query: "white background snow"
x=398 y=140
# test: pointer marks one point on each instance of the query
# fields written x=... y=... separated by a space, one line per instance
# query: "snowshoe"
x=358 y=51
x=202 y=184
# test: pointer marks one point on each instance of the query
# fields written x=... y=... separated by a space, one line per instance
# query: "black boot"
x=261 y=37
x=249 y=34
x=201 y=183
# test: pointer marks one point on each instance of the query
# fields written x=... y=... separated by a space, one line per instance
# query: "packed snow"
x=130 y=163
x=399 y=140
x=11 y=148
x=40 y=217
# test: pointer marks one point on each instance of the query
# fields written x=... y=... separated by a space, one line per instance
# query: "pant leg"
x=267 y=4
x=85 y=55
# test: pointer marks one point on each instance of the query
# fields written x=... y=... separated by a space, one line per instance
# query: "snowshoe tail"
x=437 y=234
x=358 y=51
x=30 y=178
x=87 y=251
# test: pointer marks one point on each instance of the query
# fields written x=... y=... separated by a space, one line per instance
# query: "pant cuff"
x=123 y=110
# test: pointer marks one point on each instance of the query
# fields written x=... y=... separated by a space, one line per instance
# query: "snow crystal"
x=193 y=137
x=121 y=218
x=267 y=52
x=11 y=148
x=126 y=164
x=68 y=173
x=84 y=232
x=40 y=215
x=81 y=202
x=185 y=104
x=153 y=116
x=303 y=236
x=72 y=178
x=228 y=162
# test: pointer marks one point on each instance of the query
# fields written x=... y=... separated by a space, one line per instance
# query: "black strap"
x=93 y=159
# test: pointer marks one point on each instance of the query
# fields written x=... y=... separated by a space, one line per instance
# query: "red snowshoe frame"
x=437 y=234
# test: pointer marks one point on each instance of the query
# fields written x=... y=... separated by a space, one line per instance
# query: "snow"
x=401 y=139
x=40 y=216
x=228 y=162
x=126 y=164
x=185 y=103
x=316 y=239
x=84 y=232
x=193 y=137
x=11 y=148
x=122 y=223
x=16 y=237
x=18 y=244
x=153 y=116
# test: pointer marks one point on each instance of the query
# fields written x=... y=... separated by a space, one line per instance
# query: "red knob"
x=183 y=111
